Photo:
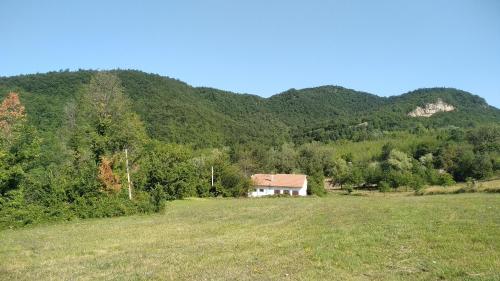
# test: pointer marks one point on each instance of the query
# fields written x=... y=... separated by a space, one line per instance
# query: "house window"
x=295 y=193
x=261 y=190
x=276 y=191
x=287 y=192
x=256 y=190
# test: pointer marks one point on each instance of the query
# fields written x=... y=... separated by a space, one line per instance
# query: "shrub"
x=446 y=179
x=158 y=198
x=233 y=182
x=315 y=185
x=15 y=211
x=349 y=188
x=482 y=166
x=383 y=186
x=417 y=182
x=398 y=178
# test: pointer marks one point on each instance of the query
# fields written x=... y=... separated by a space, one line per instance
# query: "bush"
x=315 y=185
x=417 y=182
x=398 y=178
x=482 y=166
x=233 y=182
x=106 y=205
x=383 y=186
x=349 y=188
x=15 y=211
x=446 y=179
x=158 y=198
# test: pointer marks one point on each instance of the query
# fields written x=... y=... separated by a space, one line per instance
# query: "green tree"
x=287 y=159
x=105 y=118
x=169 y=167
x=101 y=124
x=340 y=172
x=399 y=161
x=482 y=166
x=19 y=145
x=315 y=185
x=485 y=138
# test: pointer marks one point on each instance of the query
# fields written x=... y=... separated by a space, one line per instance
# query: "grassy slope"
x=391 y=237
x=369 y=149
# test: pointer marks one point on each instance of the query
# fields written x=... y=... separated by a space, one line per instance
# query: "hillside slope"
x=177 y=112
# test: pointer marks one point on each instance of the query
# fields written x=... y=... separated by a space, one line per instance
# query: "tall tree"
x=19 y=144
x=102 y=125
x=12 y=115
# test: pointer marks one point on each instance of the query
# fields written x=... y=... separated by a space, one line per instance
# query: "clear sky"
x=264 y=47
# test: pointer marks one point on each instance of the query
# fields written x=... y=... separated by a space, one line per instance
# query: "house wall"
x=303 y=190
x=270 y=190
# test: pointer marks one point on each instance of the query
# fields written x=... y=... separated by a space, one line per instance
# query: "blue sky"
x=264 y=47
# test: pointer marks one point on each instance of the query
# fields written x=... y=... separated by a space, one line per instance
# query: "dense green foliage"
x=175 y=112
x=63 y=155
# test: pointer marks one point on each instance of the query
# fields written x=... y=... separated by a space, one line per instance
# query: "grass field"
x=392 y=237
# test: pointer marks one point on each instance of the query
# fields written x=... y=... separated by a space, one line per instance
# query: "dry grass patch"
x=491 y=186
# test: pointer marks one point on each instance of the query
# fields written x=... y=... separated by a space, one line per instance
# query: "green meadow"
x=396 y=236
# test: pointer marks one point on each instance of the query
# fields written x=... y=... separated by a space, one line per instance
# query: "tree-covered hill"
x=174 y=111
x=469 y=110
x=309 y=107
x=98 y=144
x=368 y=116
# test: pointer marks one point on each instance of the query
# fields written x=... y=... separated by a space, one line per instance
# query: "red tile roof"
x=279 y=180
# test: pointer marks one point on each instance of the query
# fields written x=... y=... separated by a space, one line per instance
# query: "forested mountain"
x=175 y=112
x=98 y=144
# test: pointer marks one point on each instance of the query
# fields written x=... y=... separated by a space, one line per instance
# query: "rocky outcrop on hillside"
x=431 y=109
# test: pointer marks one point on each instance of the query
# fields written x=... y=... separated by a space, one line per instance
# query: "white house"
x=267 y=184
